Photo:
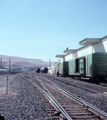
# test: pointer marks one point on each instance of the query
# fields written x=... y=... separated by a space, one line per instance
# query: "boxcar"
x=61 y=68
x=91 y=66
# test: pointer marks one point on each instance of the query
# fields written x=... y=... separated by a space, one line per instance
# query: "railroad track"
x=70 y=106
x=86 y=86
x=58 y=110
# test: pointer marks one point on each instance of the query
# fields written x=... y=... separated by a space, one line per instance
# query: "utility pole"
x=7 y=85
x=49 y=63
x=9 y=65
x=1 y=62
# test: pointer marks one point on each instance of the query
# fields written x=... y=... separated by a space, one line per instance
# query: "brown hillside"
x=22 y=63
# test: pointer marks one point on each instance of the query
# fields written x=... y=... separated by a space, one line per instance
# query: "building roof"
x=86 y=42
x=70 y=50
x=61 y=56
x=90 y=41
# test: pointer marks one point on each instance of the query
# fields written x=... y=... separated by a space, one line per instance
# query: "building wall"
x=105 y=45
x=51 y=70
x=62 y=59
x=79 y=53
x=84 y=51
x=99 y=47
x=75 y=55
x=68 y=57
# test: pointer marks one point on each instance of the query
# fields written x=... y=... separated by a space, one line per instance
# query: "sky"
x=41 y=29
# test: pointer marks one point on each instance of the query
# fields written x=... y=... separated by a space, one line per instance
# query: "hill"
x=26 y=62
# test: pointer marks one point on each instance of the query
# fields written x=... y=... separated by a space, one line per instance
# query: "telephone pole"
x=1 y=62
x=9 y=65
x=49 y=63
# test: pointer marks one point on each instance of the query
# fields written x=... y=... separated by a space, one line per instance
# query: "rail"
x=50 y=97
x=94 y=109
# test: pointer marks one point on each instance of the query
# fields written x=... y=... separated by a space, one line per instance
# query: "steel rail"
x=71 y=95
x=50 y=98
x=60 y=107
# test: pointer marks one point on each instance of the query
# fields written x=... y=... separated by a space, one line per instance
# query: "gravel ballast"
x=98 y=100
x=23 y=101
x=26 y=102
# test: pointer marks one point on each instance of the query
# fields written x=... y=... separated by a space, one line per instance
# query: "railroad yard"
x=38 y=96
x=53 y=60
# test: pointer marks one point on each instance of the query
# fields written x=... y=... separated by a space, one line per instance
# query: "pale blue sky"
x=41 y=29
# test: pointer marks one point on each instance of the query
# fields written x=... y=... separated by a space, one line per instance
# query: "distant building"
x=4 y=71
x=51 y=70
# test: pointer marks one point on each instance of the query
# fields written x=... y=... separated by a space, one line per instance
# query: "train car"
x=4 y=71
x=44 y=70
x=61 y=68
x=93 y=66
x=38 y=70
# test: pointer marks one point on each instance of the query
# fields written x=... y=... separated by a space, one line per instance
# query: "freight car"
x=61 y=68
x=44 y=70
x=3 y=71
x=93 y=66
x=38 y=70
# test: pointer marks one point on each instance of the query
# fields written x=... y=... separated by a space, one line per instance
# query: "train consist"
x=93 y=66
x=43 y=70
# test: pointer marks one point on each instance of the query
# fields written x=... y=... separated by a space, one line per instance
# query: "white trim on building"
x=62 y=57
x=90 y=41
x=91 y=45
x=70 y=51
